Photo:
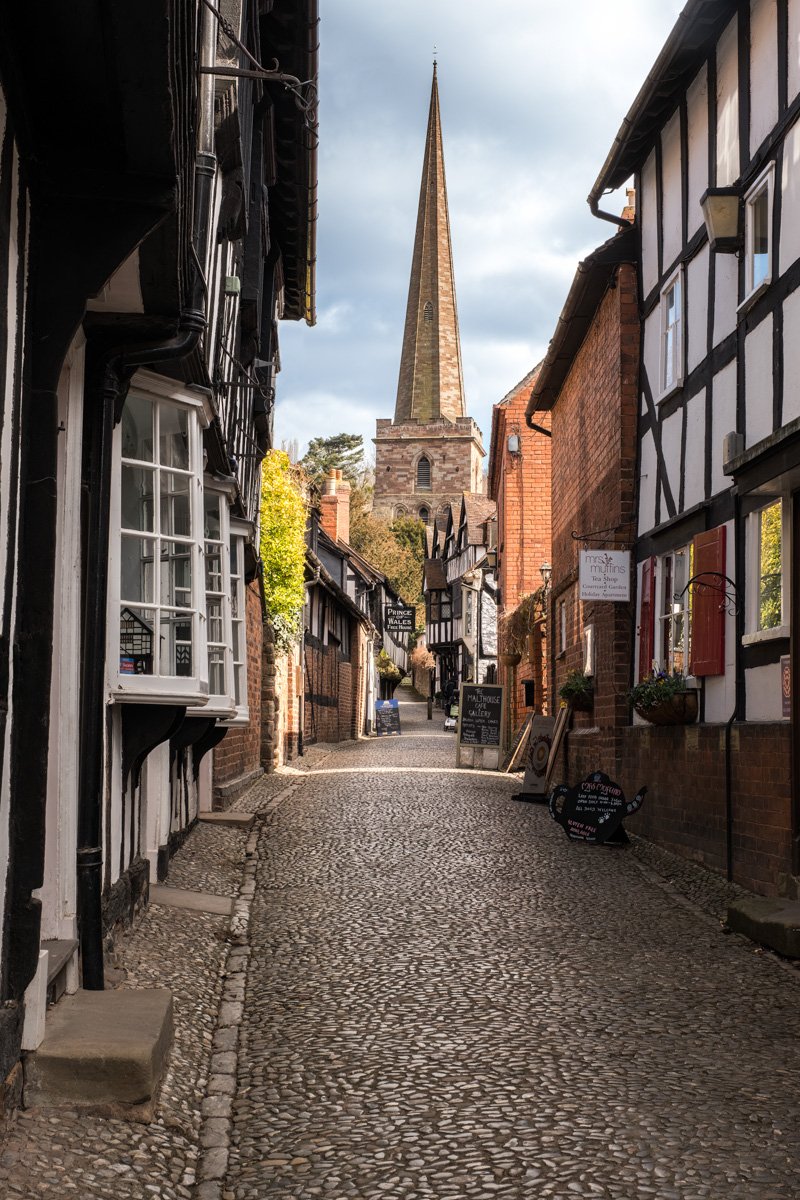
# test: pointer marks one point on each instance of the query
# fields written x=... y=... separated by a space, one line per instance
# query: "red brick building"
x=587 y=385
x=519 y=483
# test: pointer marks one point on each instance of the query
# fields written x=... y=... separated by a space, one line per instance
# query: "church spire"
x=431 y=384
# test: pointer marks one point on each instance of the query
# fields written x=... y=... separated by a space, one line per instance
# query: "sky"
x=532 y=93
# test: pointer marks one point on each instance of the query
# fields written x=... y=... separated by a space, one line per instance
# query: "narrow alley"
x=443 y=997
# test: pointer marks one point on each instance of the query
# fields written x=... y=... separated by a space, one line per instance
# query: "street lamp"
x=546 y=571
x=722 y=215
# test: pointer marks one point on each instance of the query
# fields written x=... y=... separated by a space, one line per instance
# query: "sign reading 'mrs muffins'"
x=605 y=574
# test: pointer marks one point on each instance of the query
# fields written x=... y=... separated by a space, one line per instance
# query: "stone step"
x=206 y=902
x=59 y=956
x=237 y=820
x=103 y=1049
x=773 y=923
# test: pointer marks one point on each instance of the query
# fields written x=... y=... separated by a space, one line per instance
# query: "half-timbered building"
x=157 y=209
x=713 y=143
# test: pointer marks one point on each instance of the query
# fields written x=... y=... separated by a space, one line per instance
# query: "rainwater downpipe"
x=738 y=706
x=115 y=369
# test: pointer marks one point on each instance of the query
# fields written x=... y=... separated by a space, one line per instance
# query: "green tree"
x=343 y=451
x=398 y=554
x=284 y=514
x=770 y=590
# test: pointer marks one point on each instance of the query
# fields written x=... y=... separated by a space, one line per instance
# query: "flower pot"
x=582 y=703
x=680 y=709
x=509 y=660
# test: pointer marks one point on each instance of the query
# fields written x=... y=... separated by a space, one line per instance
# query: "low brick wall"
x=683 y=769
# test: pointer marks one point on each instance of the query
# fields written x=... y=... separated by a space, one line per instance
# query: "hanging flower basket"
x=680 y=708
x=509 y=660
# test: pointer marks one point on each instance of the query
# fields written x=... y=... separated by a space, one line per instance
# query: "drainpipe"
x=738 y=706
x=114 y=370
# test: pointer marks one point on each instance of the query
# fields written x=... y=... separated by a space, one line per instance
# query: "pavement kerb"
x=217 y=1108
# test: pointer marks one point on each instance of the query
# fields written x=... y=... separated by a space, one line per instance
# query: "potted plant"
x=578 y=691
x=389 y=674
x=664 y=699
x=517 y=627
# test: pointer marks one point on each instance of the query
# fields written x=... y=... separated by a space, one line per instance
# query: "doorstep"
x=773 y=923
x=239 y=820
x=105 y=1050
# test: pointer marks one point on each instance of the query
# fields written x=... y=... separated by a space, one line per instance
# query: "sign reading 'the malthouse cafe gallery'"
x=605 y=575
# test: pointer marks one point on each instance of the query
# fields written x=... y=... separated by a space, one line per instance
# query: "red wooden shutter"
x=707 y=650
x=647 y=618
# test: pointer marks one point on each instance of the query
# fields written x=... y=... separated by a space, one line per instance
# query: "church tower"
x=431 y=451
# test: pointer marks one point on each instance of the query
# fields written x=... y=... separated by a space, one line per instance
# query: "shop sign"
x=594 y=810
x=398 y=618
x=605 y=575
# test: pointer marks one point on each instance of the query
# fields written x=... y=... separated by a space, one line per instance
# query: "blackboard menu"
x=481 y=714
x=387 y=717
x=593 y=811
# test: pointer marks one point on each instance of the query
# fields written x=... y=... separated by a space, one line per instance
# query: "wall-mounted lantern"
x=546 y=572
x=722 y=213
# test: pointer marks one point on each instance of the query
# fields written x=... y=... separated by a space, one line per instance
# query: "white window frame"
x=161 y=689
x=219 y=704
x=671 y=605
x=669 y=386
x=241 y=532
x=753 y=633
x=764 y=184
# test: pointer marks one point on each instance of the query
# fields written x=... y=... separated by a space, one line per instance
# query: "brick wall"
x=238 y=755
x=593 y=461
x=683 y=768
x=522 y=491
x=335 y=689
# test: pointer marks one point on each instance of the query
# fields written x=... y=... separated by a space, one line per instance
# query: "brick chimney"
x=334 y=506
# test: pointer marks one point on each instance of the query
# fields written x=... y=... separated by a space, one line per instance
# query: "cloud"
x=531 y=96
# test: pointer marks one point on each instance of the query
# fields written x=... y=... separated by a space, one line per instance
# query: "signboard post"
x=605 y=575
x=399 y=618
x=387 y=717
x=480 y=721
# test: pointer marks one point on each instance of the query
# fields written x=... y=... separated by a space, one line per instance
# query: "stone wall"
x=455 y=450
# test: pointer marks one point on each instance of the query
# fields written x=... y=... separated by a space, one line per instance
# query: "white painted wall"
x=794 y=48
x=58 y=895
x=155 y=805
x=790 y=191
x=647 y=484
x=791 y=357
x=671 y=430
x=651 y=348
x=694 y=477
x=723 y=421
x=728 y=106
x=763 y=70
x=726 y=295
x=648 y=214
x=697 y=109
x=758 y=383
x=671 y=176
x=696 y=275
x=763 y=690
x=721 y=689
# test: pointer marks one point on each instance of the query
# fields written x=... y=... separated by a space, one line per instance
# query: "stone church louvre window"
x=156 y=629
x=427 y=313
x=424 y=474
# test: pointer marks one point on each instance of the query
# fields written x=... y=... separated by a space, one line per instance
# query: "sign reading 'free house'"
x=605 y=575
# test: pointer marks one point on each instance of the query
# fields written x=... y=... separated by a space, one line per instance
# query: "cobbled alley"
x=444 y=997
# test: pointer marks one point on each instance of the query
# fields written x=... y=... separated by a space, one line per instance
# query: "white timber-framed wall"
x=736 y=123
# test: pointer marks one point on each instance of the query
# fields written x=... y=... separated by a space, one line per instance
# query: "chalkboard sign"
x=398 y=618
x=594 y=810
x=387 y=717
x=480 y=714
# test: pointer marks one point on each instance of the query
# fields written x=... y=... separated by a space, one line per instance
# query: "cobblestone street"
x=444 y=997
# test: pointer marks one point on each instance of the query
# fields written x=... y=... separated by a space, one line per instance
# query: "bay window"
x=156 y=629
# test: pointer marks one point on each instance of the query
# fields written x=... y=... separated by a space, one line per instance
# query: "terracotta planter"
x=509 y=660
x=680 y=709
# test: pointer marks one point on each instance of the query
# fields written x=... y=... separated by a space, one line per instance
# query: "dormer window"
x=424 y=474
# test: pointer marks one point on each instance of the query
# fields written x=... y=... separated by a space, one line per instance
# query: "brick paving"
x=442 y=997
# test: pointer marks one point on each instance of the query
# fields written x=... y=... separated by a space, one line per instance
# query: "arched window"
x=400 y=510
x=427 y=313
x=424 y=474
x=424 y=515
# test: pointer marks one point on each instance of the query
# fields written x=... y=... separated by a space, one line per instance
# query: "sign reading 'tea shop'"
x=605 y=575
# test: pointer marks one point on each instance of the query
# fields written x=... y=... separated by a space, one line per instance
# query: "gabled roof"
x=435 y=579
x=477 y=510
x=694 y=34
x=497 y=439
x=588 y=289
